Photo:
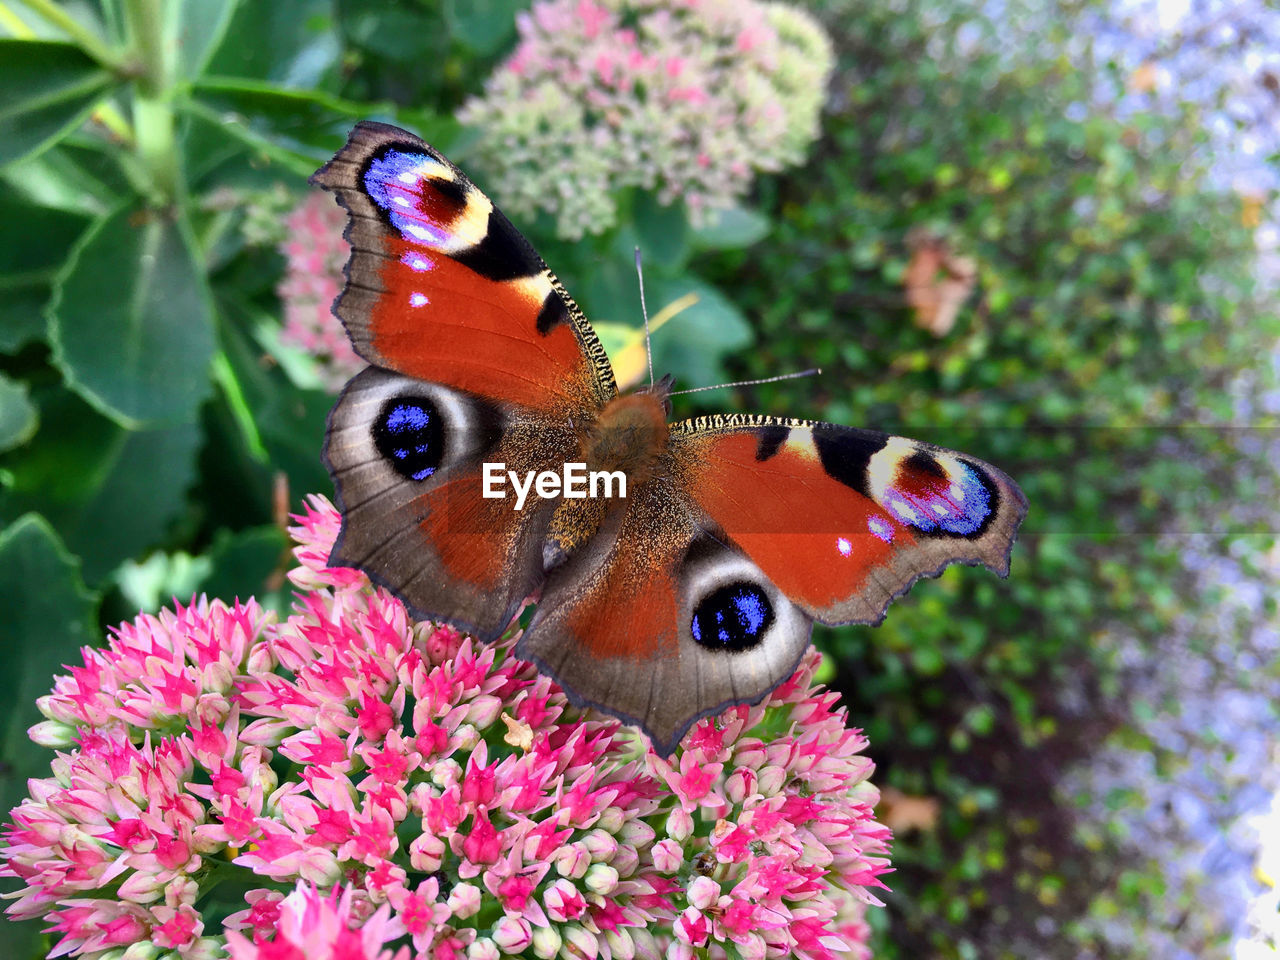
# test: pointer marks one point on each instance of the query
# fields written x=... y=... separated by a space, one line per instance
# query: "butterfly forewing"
x=441 y=287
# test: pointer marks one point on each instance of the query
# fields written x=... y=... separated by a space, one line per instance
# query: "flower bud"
x=52 y=733
x=667 y=856
x=512 y=934
x=740 y=785
x=691 y=928
x=771 y=780
x=142 y=950
x=546 y=942
x=140 y=887
x=750 y=754
x=646 y=947
x=464 y=901
x=482 y=948
x=218 y=678
x=600 y=845
x=679 y=950
x=579 y=944
x=621 y=946
x=572 y=860
x=445 y=773
x=426 y=853
x=601 y=878
x=703 y=892
x=465 y=737
x=679 y=825
x=625 y=860
x=637 y=833
x=484 y=710
x=611 y=819
x=564 y=902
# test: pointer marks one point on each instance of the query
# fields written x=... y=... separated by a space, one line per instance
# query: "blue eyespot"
x=410 y=436
x=734 y=617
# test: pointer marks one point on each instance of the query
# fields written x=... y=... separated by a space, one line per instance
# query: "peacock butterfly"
x=697 y=589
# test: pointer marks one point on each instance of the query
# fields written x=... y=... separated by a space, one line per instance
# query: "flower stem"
x=153 y=119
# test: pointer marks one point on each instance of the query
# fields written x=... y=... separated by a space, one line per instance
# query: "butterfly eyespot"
x=409 y=433
x=734 y=617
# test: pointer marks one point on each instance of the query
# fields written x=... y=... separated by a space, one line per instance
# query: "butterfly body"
x=694 y=591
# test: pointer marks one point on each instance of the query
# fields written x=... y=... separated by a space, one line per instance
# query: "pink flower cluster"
x=690 y=98
x=435 y=799
x=315 y=253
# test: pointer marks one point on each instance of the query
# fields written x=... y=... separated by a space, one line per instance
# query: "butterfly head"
x=660 y=391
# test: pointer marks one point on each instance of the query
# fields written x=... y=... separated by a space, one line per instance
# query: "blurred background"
x=1043 y=233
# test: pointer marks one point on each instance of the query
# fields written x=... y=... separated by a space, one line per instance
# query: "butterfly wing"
x=658 y=620
x=845 y=520
x=478 y=356
x=704 y=593
x=406 y=459
x=441 y=287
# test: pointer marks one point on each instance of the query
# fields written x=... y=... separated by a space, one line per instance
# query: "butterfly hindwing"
x=441 y=287
x=406 y=459
x=845 y=520
x=660 y=621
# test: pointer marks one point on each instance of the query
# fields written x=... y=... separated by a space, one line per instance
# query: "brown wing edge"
x=662 y=746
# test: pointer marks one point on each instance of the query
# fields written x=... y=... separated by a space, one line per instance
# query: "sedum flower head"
x=315 y=252
x=689 y=98
x=385 y=790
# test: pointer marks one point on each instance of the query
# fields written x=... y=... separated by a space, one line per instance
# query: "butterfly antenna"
x=750 y=383
x=648 y=348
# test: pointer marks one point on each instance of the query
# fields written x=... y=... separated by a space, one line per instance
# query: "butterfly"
x=695 y=591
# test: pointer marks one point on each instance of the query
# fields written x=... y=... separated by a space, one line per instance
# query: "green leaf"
x=691 y=346
x=18 y=417
x=662 y=231
x=22 y=305
x=160 y=579
x=33 y=238
x=731 y=228
x=291 y=421
x=34 y=242
x=293 y=44
x=111 y=493
x=202 y=24
x=132 y=322
x=244 y=562
x=389 y=28
x=48 y=614
x=486 y=26
x=59 y=180
x=309 y=122
x=46 y=88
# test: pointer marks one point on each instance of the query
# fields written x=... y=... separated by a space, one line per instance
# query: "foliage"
x=153 y=431
x=1097 y=364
